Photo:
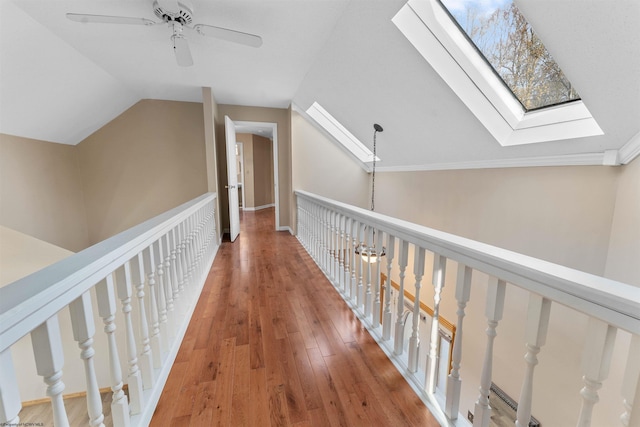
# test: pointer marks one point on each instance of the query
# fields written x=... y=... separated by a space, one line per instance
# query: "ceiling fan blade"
x=182 y=51
x=229 y=35
x=105 y=19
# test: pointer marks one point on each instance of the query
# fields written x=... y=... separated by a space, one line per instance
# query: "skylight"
x=508 y=43
x=438 y=38
x=340 y=133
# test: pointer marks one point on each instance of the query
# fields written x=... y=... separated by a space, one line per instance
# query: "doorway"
x=263 y=130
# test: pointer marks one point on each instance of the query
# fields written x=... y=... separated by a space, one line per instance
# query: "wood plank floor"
x=271 y=343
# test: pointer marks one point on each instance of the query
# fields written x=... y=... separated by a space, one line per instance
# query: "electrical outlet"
x=469 y=416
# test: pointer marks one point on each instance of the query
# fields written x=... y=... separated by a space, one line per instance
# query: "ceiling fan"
x=178 y=15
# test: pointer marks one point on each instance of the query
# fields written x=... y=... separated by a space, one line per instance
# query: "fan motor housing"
x=183 y=15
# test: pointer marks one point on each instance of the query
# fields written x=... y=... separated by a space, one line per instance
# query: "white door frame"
x=276 y=186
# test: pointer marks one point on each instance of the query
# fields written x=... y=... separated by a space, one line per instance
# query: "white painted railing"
x=330 y=231
x=153 y=273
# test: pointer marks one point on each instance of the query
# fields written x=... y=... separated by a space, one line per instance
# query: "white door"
x=232 y=178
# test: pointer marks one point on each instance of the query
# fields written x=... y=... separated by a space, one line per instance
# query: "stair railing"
x=330 y=232
x=152 y=273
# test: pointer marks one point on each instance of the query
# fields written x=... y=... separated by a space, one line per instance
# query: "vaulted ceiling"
x=62 y=80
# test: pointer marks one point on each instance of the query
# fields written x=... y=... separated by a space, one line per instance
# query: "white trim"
x=630 y=150
x=340 y=133
x=276 y=187
x=286 y=228
x=589 y=159
x=330 y=137
x=257 y=208
x=430 y=30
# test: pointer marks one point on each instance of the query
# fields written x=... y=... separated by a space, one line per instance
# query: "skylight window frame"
x=341 y=134
x=438 y=38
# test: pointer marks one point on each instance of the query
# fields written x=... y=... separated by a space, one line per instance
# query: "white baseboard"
x=286 y=228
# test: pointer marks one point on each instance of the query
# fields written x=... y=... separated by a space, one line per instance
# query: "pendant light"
x=370 y=253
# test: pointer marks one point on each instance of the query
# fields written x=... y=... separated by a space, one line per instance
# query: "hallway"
x=272 y=343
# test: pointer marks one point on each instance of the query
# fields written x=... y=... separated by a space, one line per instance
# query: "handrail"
x=333 y=233
x=614 y=302
x=30 y=301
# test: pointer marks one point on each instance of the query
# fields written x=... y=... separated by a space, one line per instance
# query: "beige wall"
x=559 y=214
x=321 y=167
x=210 y=111
x=263 y=171
x=248 y=173
x=258 y=114
x=149 y=159
x=41 y=191
x=258 y=170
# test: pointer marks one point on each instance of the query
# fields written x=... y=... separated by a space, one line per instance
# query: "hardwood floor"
x=271 y=343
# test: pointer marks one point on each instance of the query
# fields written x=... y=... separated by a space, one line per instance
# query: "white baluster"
x=162 y=295
x=134 y=377
x=156 y=337
x=355 y=231
x=463 y=293
x=334 y=248
x=494 y=308
x=348 y=224
x=145 y=361
x=9 y=394
x=107 y=309
x=84 y=329
x=414 y=340
x=376 y=283
x=185 y=257
x=172 y=289
x=631 y=385
x=173 y=272
x=47 y=351
x=387 y=317
x=360 y=289
x=341 y=267
x=368 y=296
x=439 y=270
x=536 y=335
x=403 y=259
x=595 y=365
x=167 y=317
x=179 y=265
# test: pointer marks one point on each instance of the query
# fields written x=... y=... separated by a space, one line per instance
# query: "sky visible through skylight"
x=508 y=43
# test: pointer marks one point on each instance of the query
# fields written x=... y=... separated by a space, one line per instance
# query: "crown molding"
x=589 y=159
x=630 y=150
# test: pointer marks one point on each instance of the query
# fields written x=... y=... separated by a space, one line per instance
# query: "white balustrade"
x=159 y=268
x=330 y=232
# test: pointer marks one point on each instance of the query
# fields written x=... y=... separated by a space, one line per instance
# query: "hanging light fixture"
x=370 y=253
